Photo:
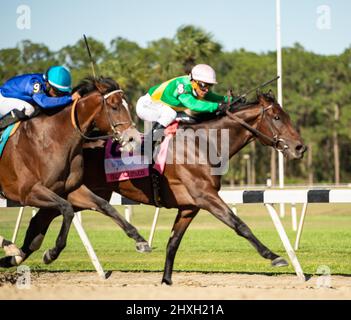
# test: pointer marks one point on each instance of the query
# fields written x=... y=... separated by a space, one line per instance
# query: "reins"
x=275 y=140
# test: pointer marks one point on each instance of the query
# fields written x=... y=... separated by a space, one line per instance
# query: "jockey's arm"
x=211 y=96
x=189 y=101
x=46 y=102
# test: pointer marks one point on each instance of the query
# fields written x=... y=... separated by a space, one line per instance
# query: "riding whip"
x=252 y=90
x=89 y=53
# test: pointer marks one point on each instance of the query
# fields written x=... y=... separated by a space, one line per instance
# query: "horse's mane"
x=90 y=84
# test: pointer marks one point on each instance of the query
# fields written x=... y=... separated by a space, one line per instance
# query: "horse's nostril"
x=300 y=148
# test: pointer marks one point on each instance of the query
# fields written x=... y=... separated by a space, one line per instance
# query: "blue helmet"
x=59 y=77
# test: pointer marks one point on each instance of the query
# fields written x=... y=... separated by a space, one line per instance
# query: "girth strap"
x=155 y=184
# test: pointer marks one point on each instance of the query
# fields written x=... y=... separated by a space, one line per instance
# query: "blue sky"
x=248 y=24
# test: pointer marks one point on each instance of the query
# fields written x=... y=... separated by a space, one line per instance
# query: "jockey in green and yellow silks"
x=192 y=92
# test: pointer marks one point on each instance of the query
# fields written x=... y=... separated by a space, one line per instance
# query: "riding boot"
x=151 y=138
x=182 y=117
x=11 y=118
x=157 y=132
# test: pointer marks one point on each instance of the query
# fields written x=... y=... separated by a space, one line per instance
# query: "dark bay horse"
x=191 y=187
x=42 y=164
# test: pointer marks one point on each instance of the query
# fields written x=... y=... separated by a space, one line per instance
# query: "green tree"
x=10 y=63
x=194 y=45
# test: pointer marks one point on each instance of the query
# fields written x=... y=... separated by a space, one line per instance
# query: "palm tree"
x=193 y=44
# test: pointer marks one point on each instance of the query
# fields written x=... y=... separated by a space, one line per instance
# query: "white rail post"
x=280 y=98
x=83 y=236
x=299 y=231
x=18 y=223
x=287 y=245
x=153 y=227
x=128 y=212
x=79 y=216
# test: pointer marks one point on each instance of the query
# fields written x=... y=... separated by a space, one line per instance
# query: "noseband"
x=274 y=141
x=116 y=135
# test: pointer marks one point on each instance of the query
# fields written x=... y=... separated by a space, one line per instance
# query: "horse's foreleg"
x=37 y=229
x=215 y=205
x=42 y=197
x=180 y=225
x=34 y=237
x=84 y=198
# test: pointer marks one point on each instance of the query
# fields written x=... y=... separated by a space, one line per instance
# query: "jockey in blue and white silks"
x=49 y=90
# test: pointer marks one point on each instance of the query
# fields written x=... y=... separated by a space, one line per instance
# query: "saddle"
x=10 y=122
x=6 y=133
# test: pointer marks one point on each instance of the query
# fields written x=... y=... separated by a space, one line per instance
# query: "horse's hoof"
x=108 y=274
x=143 y=247
x=11 y=250
x=167 y=281
x=6 y=262
x=47 y=258
x=279 y=262
x=17 y=260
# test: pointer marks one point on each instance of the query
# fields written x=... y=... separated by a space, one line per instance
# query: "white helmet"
x=204 y=73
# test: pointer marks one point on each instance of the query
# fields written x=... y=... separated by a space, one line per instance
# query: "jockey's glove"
x=222 y=108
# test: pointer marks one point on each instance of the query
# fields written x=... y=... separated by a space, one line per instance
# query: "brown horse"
x=42 y=164
x=191 y=187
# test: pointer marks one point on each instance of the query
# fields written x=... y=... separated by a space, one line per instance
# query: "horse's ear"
x=271 y=94
x=262 y=97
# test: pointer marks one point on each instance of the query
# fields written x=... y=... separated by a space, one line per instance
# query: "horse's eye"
x=277 y=118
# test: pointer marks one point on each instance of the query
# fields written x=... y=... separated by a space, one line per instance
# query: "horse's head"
x=275 y=123
x=112 y=115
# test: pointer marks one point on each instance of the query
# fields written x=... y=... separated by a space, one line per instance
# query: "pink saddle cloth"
x=120 y=167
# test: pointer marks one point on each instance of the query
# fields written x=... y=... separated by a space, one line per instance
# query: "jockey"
x=19 y=95
x=192 y=92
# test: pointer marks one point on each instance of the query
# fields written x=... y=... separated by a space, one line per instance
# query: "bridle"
x=275 y=141
x=116 y=134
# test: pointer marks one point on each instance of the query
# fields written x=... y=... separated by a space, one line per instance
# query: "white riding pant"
x=8 y=104
x=149 y=110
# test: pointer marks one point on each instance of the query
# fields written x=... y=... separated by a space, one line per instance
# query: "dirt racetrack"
x=194 y=286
